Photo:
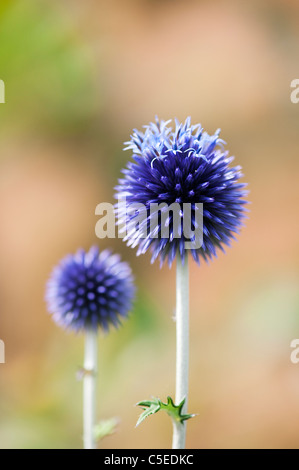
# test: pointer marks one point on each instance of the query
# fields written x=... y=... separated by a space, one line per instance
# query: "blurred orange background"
x=79 y=76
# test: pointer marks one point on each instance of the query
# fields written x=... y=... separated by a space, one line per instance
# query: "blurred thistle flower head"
x=90 y=290
x=184 y=165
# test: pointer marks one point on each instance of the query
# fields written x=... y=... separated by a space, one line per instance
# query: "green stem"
x=182 y=347
x=89 y=388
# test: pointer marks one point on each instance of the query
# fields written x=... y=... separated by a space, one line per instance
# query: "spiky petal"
x=90 y=290
x=184 y=165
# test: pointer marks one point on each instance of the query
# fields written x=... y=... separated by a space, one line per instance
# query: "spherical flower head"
x=90 y=290
x=184 y=165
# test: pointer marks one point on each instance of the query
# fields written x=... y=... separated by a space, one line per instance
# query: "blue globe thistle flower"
x=184 y=165
x=90 y=290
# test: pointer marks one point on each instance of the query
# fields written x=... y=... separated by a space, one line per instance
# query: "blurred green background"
x=79 y=76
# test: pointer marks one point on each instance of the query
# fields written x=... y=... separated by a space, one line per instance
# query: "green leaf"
x=105 y=428
x=151 y=407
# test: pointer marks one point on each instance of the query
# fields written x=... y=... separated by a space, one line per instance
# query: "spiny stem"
x=182 y=347
x=89 y=388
